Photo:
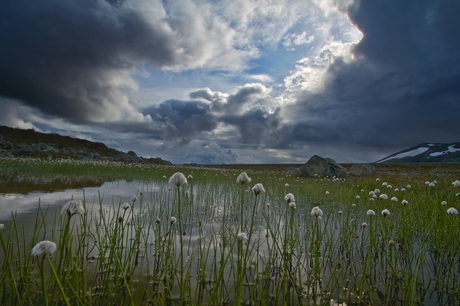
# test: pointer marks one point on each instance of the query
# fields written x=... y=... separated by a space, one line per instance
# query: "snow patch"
x=450 y=149
x=407 y=154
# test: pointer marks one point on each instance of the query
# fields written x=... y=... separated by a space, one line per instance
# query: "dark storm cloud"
x=402 y=89
x=182 y=120
x=73 y=59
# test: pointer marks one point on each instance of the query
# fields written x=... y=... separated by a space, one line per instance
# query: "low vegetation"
x=216 y=241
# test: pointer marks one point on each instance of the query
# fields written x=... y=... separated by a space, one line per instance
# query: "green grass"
x=291 y=258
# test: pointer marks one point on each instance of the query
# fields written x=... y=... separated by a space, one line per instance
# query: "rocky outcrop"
x=318 y=166
x=28 y=143
x=362 y=170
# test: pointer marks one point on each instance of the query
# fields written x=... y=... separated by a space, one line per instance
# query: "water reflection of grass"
x=292 y=255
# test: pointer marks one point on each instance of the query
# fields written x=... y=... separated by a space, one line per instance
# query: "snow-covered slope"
x=427 y=153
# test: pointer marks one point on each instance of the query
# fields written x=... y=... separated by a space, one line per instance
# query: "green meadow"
x=392 y=239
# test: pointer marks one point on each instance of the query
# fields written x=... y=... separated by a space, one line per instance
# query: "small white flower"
x=241 y=237
x=370 y=213
x=384 y=184
x=427 y=183
x=177 y=179
x=452 y=211
x=74 y=207
x=286 y=185
x=377 y=179
x=327 y=192
x=432 y=185
x=258 y=189
x=443 y=203
x=385 y=213
x=43 y=247
x=243 y=178
x=362 y=190
x=394 y=199
x=289 y=198
x=403 y=189
x=404 y=202
x=396 y=189
x=125 y=206
x=383 y=197
x=316 y=212
x=292 y=206
x=408 y=186
x=172 y=220
x=358 y=197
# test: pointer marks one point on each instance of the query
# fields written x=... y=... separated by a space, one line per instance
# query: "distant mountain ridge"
x=426 y=153
x=30 y=143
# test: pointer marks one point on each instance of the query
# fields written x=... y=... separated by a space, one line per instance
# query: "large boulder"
x=362 y=170
x=68 y=151
x=318 y=166
x=293 y=172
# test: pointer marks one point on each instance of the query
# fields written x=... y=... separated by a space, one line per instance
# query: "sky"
x=235 y=81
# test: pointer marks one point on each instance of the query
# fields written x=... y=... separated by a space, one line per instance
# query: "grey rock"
x=88 y=154
x=318 y=166
x=83 y=157
x=132 y=153
x=123 y=157
x=362 y=170
x=293 y=172
x=68 y=151
x=22 y=151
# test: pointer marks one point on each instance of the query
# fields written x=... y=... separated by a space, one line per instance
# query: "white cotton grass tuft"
x=452 y=211
x=364 y=225
x=458 y=194
x=317 y=212
x=190 y=177
x=242 y=237
x=134 y=199
x=258 y=189
x=456 y=183
x=2 y=226
x=370 y=213
x=177 y=179
x=289 y=198
x=164 y=176
x=292 y=206
x=386 y=213
x=403 y=189
x=243 y=178
x=432 y=185
x=394 y=199
x=383 y=197
x=404 y=202
x=74 y=207
x=427 y=182
x=358 y=197
x=376 y=191
x=327 y=192
x=371 y=193
x=172 y=220
x=384 y=184
x=125 y=206
x=408 y=186
x=43 y=247
x=377 y=179
x=286 y=185
x=444 y=203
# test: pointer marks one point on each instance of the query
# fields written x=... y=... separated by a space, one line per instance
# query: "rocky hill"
x=29 y=143
x=427 y=153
